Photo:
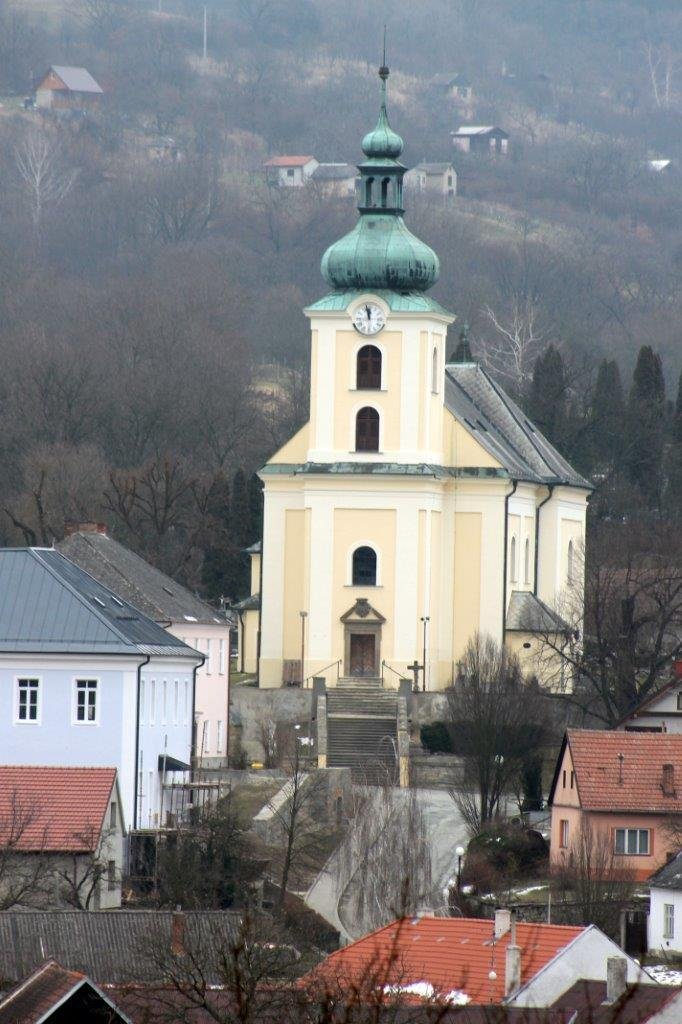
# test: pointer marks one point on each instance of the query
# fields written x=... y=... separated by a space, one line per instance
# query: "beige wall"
x=466 y=573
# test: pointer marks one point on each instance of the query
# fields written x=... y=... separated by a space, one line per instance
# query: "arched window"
x=434 y=372
x=364 y=567
x=367 y=430
x=512 y=560
x=368 y=191
x=569 y=563
x=526 y=561
x=368 y=368
x=384 y=191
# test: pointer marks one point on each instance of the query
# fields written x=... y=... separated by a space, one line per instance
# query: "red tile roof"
x=450 y=954
x=288 y=161
x=53 y=809
x=636 y=787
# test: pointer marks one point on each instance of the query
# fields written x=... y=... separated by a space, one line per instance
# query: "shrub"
x=435 y=737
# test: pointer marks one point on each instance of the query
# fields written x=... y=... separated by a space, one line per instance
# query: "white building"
x=87 y=680
x=660 y=713
x=664 y=930
x=436 y=179
x=289 y=171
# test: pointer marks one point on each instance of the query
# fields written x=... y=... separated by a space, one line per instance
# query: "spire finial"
x=384 y=70
x=462 y=353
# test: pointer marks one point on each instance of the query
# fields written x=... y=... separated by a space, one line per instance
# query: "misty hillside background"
x=152 y=338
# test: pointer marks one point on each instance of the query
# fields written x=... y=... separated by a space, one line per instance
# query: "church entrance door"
x=363 y=654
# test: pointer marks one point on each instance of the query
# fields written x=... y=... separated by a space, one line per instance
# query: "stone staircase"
x=362 y=730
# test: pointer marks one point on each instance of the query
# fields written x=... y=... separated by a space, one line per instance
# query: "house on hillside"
x=664 y=927
x=480 y=139
x=289 y=171
x=87 y=680
x=438 y=179
x=66 y=88
x=52 y=995
x=177 y=610
x=456 y=86
x=63 y=830
x=662 y=712
x=616 y=792
x=470 y=961
x=335 y=180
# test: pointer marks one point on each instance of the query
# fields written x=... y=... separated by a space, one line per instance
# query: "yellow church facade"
x=418 y=505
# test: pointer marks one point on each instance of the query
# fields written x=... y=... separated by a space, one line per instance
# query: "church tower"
x=389 y=517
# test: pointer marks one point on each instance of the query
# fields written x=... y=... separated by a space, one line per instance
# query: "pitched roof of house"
x=497 y=423
x=288 y=161
x=133 y=579
x=452 y=955
x=528 y=614
x=669 y=876
x=632 y=783
x=49 y=604
x=76 y=79
x=586 y=1001
x=36 y=998
x=110 y=946
x=54 y=809
x=635 y=712
x=478 y=129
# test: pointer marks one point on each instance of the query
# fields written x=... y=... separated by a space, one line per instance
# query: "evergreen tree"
x=548 y=394
x=215 y=567
x=255 y=509
x=645 y=426
x=606 y=417
x=674 y=461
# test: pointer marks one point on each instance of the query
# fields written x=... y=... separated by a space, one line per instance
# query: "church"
x=418 y=505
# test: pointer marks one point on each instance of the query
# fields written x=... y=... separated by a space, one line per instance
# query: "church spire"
x=462 y=353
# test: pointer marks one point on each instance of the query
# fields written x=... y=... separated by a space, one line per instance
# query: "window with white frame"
x=164 y=702
x=563 y=833
x=86 y=702
x=152 y=701
x=219 y=738
x=142 y=700
x=28 y=700
x=209 y=658
x=668 y=921
x=176 y=701
x=221 y=657
x=632 y=842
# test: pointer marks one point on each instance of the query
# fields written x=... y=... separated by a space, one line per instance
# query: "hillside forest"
x=154 y=349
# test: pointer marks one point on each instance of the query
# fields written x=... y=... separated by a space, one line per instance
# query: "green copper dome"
x=380 y=252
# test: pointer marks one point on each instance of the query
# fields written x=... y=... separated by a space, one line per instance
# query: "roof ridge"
x=35 y=974
x=112 y=565
x=79 y=597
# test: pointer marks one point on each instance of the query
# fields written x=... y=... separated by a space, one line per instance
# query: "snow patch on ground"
x=664 y=975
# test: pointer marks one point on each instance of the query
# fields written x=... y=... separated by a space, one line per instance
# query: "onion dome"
x=381 y=252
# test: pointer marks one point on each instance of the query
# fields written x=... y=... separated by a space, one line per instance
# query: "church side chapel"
x=418 y=505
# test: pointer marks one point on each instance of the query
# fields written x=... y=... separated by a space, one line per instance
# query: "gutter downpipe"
x=193 y=736
x=510 y=494
x=537 y=536
x=137 y=738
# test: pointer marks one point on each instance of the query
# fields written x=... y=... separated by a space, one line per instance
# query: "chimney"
x=512 y=962
x=177 y=932
x=616 y=978
x=502 y=922
x=74 y=527
x=668 y=780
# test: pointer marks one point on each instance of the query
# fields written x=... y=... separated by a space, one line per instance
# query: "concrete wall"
x=249 y=707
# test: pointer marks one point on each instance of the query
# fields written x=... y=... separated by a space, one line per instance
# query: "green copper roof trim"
x=384 y=469
x=398 y=302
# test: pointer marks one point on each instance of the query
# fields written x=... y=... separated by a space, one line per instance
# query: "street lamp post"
x=303 y=618
x=424 y=619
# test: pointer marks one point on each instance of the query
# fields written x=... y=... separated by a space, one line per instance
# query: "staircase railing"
x=332 y=664
x=385 y=664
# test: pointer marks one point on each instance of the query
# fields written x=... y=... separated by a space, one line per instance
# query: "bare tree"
x=25 y=867
x=518 y=340
x=81 y=873
x=43 y=174
x=662 y=64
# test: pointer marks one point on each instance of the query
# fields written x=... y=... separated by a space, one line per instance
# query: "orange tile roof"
x=53 y=809
x=288 y=161
x=604 y=786
x=450 y=954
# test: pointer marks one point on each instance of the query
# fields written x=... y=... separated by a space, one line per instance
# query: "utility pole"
x=205 y=31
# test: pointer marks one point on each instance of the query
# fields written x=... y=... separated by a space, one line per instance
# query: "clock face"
x=369 y=319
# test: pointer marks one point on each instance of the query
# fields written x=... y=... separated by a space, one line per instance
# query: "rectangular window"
x=176 y=701
x=668 y=921
x=186 y=702
x=111 y=875
x=572 y=779
x=632 y=842
x=152 y=702
x=86 y=701
x=221 y=657
x=164 y=702
x=563 y=833
x=564 y=779
x=219 y=739
x=28 y=700
x=142 y=707
x=209 y=658
x=113 y=814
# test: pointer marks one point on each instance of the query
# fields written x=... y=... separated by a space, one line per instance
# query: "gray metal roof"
x=528 y=614
x=503 y=429
x=49 y=604
x=669 y=876
x=76 y=79
x=133 y=579
x=107 y=945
